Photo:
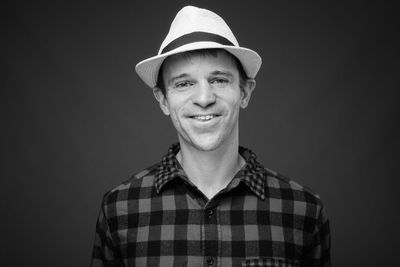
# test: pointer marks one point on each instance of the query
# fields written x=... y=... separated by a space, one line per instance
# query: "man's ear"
x=247 y=89
x=162 y=100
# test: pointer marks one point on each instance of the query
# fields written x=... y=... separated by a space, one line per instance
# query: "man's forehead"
x=220 y=57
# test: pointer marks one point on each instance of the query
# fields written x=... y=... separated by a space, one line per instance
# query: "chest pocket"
x=269 y=262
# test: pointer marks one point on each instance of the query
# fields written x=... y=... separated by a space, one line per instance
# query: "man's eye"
x=219 y=81
x=183 y=84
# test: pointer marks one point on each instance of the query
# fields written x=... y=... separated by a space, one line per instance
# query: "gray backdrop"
x=76 y=120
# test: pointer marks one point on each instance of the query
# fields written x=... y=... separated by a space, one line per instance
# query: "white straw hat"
x=192 y=29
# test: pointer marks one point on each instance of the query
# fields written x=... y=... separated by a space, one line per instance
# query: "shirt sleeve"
x=319 y=253
x=103 y=250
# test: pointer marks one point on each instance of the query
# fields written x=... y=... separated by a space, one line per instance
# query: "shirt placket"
x=210 y=242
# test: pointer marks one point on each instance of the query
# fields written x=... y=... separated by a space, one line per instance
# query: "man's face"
x=203 y=98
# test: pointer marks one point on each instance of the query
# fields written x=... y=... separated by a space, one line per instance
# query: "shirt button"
x=210 y=261
x=210 y=213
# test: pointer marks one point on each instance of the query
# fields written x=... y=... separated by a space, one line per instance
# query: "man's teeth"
x=204 y=118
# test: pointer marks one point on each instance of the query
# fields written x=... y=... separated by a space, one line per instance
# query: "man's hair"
x=203 y=53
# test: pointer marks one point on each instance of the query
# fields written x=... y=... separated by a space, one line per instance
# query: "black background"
x=76 y=119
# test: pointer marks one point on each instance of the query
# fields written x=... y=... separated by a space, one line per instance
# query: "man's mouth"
x=204 y=117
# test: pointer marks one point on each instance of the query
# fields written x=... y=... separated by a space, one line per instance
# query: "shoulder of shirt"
x=134 y=181
x=274 y=177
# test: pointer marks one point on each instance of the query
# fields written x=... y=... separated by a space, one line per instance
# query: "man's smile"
x=204 y=118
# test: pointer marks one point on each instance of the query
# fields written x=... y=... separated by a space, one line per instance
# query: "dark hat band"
x=196 y=37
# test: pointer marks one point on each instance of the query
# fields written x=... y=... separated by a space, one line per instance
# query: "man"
x=208 y=202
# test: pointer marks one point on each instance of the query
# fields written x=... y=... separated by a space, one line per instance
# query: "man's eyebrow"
x=180 y=76
x=225 y=73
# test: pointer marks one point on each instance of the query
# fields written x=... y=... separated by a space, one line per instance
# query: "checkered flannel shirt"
x=159 y=218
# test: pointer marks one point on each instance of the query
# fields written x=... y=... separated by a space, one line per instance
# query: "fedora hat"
x=192 y=29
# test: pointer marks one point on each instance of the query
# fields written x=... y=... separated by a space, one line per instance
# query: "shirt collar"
x=253 y=174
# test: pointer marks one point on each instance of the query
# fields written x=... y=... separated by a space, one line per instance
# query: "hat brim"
x=148 y=68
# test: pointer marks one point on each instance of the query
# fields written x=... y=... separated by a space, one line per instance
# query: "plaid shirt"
x=159 y=218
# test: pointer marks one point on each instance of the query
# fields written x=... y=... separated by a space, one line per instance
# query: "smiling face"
x=203 y=97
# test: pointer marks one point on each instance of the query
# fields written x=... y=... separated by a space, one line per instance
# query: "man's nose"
x=204 y=95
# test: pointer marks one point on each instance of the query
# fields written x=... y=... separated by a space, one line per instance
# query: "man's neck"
x=210 y=171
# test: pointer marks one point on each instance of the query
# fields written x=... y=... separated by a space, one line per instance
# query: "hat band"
x=196 y=37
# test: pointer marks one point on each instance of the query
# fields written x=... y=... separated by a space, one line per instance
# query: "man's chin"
x=205 y=144
x=207 y=147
